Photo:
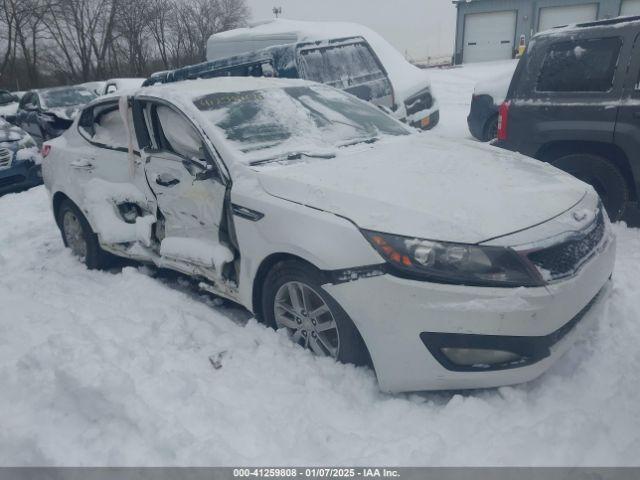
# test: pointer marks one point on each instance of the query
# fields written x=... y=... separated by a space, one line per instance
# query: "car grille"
x=419 y=103
x=5 y=157
x=564 y=259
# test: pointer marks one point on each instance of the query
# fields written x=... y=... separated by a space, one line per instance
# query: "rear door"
x=627 y=130
x=106 y=154
x=349 y=65
x=184 y=176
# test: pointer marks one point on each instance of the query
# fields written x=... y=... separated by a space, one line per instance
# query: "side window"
x=111 y=88
x=580 y=66
x=180 y=137
x=104 y=125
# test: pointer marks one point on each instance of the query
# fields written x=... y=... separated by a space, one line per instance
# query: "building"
x=493 y=29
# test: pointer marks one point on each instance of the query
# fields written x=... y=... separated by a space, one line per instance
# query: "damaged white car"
x=443 y=265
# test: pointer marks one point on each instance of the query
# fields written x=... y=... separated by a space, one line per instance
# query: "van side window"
x=580 y=66
x=340 y=66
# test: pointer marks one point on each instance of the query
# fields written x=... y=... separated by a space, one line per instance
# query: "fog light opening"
x=479 y=357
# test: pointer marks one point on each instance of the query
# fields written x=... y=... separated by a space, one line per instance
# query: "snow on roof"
x=196 y=88
x=405 y=77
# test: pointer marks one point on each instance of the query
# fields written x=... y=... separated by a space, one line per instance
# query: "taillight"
x=46 y=149
x=503 y=119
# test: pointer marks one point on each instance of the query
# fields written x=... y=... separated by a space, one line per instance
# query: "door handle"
x=166 y=180
x=82 y=164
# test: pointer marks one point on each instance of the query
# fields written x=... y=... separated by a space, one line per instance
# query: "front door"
x=189 y=190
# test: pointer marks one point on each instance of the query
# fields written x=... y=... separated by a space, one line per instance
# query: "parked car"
x=114 y=84
x=46 y=113
x=96 y=87
x=346 y=56
x=330 y=219
x=8 y=104
x=487 y=97
x=574 y=102
x=19 y=159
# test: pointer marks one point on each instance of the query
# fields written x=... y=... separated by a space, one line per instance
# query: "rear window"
x=580 y=66
x=340 y=66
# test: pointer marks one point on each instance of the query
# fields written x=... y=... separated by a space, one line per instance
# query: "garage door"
x=630 y=7
x=555 y=16
x=489 y=36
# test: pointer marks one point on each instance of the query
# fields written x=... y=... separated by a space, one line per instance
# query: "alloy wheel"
x=74 y=235
x=308 y=318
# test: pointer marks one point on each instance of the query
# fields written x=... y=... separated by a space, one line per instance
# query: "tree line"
x=60 y=42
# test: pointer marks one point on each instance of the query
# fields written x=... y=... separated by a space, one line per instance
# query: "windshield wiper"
x=362 y=140
x=293 y=156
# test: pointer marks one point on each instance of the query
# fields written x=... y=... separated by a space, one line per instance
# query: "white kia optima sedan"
x=444 y=264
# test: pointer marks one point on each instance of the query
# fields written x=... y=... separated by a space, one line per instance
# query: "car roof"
x=188 y=90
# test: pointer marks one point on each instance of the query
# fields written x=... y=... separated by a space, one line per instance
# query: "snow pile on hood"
x=406 y=78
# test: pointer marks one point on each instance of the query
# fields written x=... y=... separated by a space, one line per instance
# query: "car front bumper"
x=395 y=316
x=21 y=174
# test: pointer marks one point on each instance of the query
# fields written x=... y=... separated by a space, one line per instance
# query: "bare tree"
x=62 y=41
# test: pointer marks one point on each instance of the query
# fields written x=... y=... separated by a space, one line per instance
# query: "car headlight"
x=454 y=263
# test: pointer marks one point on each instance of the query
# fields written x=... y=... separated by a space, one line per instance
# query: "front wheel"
x=292 y=298
x=603 y=176
x=78 y=236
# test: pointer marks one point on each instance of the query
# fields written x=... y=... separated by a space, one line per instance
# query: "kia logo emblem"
x=579 y=216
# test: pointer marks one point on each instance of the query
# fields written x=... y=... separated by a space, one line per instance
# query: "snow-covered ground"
x=113 y=368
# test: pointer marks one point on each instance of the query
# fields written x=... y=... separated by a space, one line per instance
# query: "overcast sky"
x=420 y=28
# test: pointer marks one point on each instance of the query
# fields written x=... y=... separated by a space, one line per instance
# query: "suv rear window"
x=580 y=66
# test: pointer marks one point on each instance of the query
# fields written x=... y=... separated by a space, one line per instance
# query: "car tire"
x=490 y=130
x=78 y=236
x=603 y=176
x=343 y=342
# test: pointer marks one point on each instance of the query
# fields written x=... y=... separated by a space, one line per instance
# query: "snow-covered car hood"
x=429 y=187
x=14 y=138
x=8 y=109
x=498 y=85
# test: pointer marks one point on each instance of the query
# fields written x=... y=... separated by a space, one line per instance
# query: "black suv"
x=574 y=101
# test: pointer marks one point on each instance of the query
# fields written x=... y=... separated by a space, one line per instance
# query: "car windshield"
x=6 y=97
x=307 y=120
x=66 y=97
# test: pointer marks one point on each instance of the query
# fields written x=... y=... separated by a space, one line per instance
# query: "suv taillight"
x=503 y=119
x=46 y=149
